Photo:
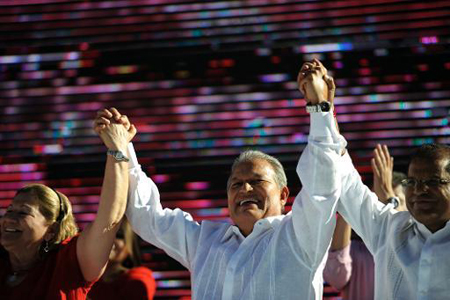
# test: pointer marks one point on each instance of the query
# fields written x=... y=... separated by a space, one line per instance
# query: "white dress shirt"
x=411 y=263
x=283 y=257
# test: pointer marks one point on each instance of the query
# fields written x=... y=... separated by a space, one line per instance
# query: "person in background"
x=43 y=256
x=350 y=266
x=124 y=277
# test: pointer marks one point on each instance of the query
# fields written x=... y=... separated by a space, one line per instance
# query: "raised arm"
x=360 y=206
x=314 y=208
x=174 y=231
x=338 y=268
x=95 y=242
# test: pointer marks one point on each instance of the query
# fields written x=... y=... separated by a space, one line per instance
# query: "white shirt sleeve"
x=313 y=212
x=361 y=209
x=174 y=231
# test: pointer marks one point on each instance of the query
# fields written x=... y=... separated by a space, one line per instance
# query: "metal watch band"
x=117 y=154
x=320 y=107
x=394 y=201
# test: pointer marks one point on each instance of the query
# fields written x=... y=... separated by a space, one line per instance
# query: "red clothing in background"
x=137 y=283
x=58 y=276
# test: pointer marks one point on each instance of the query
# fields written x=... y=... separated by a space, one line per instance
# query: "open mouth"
x=11 y=230
x=247 y=201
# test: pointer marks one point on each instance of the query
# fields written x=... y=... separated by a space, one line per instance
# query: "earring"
x=46 y=247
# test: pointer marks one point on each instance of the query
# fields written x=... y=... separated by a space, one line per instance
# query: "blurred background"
x=204 y=80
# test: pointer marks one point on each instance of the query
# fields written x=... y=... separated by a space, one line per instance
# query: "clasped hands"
x=315 y=84
x=114 y=129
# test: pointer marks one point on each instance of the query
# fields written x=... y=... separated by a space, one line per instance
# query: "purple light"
x=274 y=77
x=324 y=48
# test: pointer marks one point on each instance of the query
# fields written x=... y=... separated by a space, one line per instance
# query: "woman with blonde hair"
x=42 y=256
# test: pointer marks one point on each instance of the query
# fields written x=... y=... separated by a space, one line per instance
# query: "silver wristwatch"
x=395 y=201
x=117 y=154
x=320 y=107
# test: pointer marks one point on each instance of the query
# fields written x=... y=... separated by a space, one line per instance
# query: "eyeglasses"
x=434 y=182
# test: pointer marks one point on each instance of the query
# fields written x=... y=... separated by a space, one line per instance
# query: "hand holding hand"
x=114 y=129
x=382 y=167
x=315 y=84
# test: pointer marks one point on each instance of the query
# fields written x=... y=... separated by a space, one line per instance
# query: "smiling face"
x=430 y=205
x=253 y=194
x=23 y=227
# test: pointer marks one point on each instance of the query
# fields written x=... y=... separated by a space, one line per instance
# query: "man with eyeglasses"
x=410 y=248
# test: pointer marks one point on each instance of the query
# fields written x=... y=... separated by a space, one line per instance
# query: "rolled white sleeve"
x=315 y=206
x=361 y=209
x=174 y=231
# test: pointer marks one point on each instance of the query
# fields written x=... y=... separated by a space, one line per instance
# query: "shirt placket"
x=424 y=274
x=237 y=258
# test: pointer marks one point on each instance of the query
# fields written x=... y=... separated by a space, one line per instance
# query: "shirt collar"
x=261 y=225
x=424 y=231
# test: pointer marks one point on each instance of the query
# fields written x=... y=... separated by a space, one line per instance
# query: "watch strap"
x=319 y=107
x=395 y=201
x=117 y=154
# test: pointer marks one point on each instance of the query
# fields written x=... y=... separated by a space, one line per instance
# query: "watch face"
x=325 y=106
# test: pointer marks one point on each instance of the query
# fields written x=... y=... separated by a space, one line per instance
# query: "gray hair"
x=250 y=155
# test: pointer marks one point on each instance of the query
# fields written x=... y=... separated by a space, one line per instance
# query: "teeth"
x=11 y=230
x=248 y=200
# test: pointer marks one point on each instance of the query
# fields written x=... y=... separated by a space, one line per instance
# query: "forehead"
x=428 y=167
x=25 y=199
x=253 y=168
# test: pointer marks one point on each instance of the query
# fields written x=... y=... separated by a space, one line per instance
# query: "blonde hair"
x=56 y=208
x=131 y=243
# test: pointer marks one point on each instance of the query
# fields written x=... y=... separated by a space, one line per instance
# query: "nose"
x=247 y=187
x=420 y=187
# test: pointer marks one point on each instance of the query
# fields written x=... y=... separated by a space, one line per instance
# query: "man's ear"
x=284 y=195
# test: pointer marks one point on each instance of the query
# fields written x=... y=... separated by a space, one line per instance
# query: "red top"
x=137 y=283
x=58 y=276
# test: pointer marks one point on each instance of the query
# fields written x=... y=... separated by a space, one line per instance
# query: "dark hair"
x=397 y=178
x=433 y=152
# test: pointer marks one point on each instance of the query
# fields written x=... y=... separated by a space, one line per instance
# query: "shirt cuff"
x=133 y=163
x=323 y=124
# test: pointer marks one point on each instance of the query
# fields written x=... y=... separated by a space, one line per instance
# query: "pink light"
x=196 y=186
x=429 y=40
x=161 y=178
x=19 y=168
x=47 y=149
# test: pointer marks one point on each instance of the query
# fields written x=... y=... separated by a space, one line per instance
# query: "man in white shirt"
x=265 y=254
x=410 y=248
